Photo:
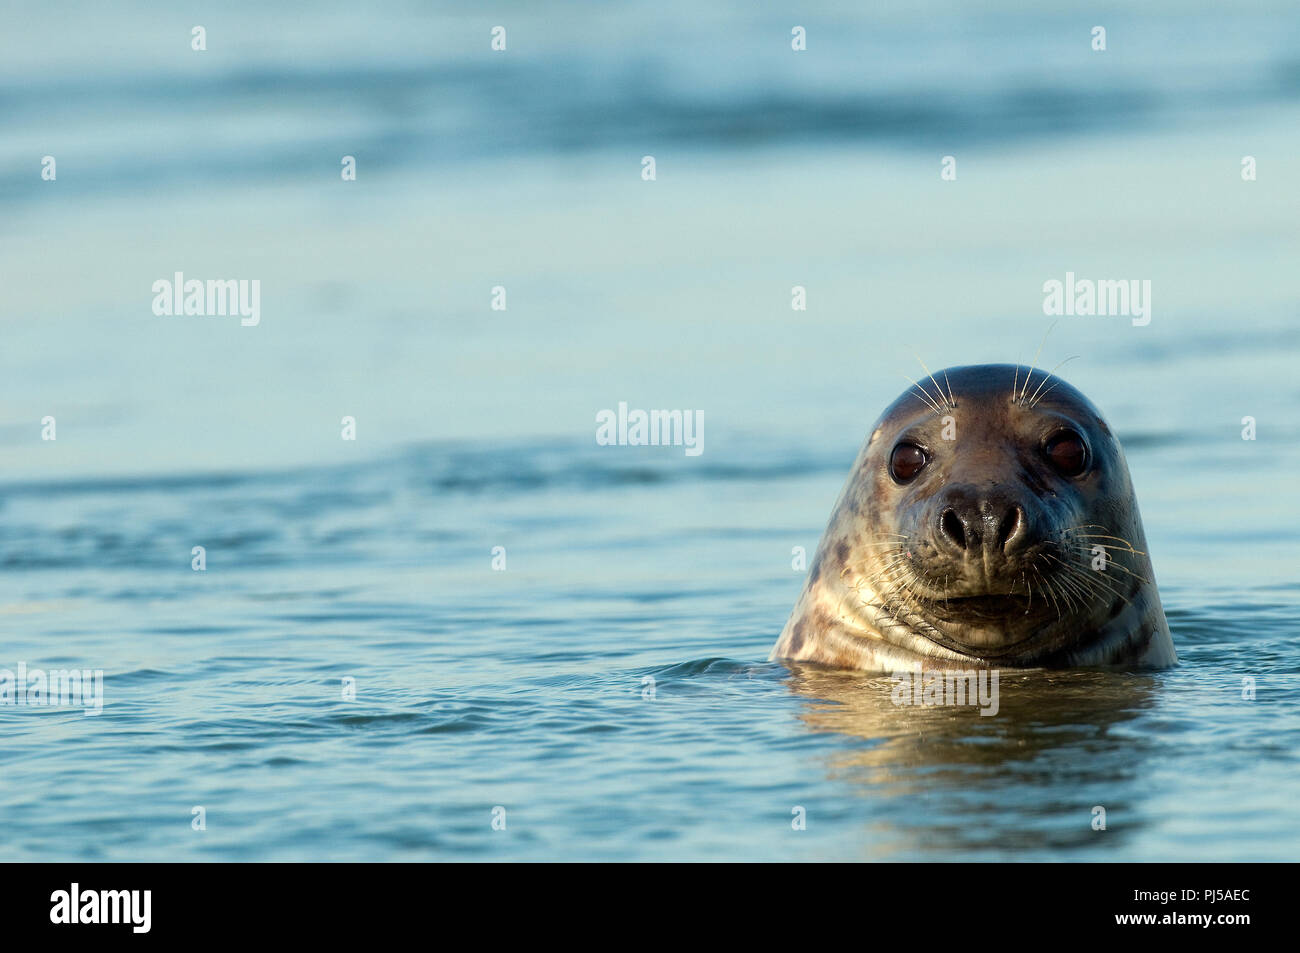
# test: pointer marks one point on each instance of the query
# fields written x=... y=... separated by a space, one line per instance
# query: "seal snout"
x=989 y=525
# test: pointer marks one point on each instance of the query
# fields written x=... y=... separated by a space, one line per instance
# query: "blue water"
x=529 y=687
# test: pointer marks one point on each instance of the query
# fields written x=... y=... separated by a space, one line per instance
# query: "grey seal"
x=989 y=521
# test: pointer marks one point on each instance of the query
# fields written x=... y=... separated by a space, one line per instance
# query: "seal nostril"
x=952 y=527
x=1010 y=527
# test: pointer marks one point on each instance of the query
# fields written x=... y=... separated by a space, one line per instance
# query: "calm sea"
x=356 y=676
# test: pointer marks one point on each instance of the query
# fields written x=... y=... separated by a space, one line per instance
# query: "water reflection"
x=946 y=778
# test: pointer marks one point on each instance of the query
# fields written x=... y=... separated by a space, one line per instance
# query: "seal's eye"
x=906 y=462
x=1067 y=453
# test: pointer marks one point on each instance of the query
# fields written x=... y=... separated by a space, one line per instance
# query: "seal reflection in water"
x=989 y=521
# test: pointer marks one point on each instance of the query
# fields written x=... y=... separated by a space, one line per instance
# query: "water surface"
x=527 y=688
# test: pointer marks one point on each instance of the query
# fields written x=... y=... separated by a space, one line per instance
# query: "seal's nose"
x=979 y=523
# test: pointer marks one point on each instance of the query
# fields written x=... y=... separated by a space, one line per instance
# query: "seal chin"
x=987 y=627
x=1002 y=609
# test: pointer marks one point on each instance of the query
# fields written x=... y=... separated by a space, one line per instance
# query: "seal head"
x=989 y=520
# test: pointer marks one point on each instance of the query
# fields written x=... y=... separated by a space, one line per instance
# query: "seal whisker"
x=1037 y=354
x=1070 y=532
x=1068 y=592
x=1124 y=569
x=1034 y=398
x=895 y=575
x=1051 y=591
x=937 y=388
x=1098 y=587
x=1063 y=596
x=1095 y=581
x=1112 y=561
x=1135 y=552
x=1082 y=590
x=925 y=395
x=885 y=572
